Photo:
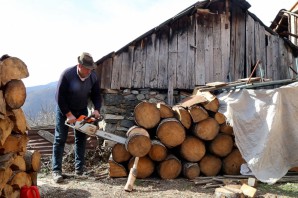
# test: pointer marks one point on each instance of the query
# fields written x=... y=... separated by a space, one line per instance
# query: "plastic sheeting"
x=265 y=127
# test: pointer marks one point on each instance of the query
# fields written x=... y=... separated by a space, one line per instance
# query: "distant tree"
x=44 y=117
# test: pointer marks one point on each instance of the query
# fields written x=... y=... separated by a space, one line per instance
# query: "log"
x=226 y=128
x=12 y=68
x=210 y=165
x=6 y=126
x=15 y=143
x=18 y=164
x=165 y=110
x=19 y=120
x=15 y=94
x=220 y=118
x=6 y=160
x=192 y=149
x=190 y=170
x=19 y=179
x=212 y=103
x=192 y=100
x=206 y=129
x=2 y=105
x=183 y=116
x=33 y=176
x=119 y=153
x=221 y=145
x=115 y=169
x=158 y=151
x=138 y=141
x=198 y=113
x=7 y=191
x=147 y=115
x=232 y=163
x=170 y=132
x=32 y=159
x=4 y=177
x=170 y=168
x=145 y=167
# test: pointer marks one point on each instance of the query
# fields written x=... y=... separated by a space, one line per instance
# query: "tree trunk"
x=165 y=110
x=147 y=115
x=32 y=159
x=120 y=154
x=170 y=132
x=12 y=68
x=192 y=149
x=222 y=145
x=15 y=94
x=198 y=113
x=145 y=167
x=170 y=168
x=116 y=169
x=183 y=116
x=190 y=170
x=210 y=165
x=158 y=151
x=206 y=129
x=232 y=163
x=138 y=142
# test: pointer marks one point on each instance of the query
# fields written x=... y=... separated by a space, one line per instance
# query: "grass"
x=281 y=190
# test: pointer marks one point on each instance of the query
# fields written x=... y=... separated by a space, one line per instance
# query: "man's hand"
x=70 y=118
x=96 y=114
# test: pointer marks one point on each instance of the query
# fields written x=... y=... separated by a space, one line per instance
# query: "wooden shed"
x=209 y=41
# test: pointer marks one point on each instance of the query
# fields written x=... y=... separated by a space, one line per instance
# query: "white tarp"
x=265 y=128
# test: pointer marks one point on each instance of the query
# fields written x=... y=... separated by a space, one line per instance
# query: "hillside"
x=40 y=100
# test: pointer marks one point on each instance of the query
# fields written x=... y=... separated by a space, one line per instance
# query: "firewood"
x=226 y=128
x=32 y=159
x=170 y=132
x=33 y=176
x=145 y=167
x=6 y=160
x=232 y=163
x=18 y=164
x=116 y=169
x=248 y=190
x=6 y=125
x=190 y=170
x=228 y=191
x=212 y=103
x=192 y=100
x=19 y=120
x=220 y=118
x=192 y=149
x=138 y=142
x=170 y=168
x=15 y=94
x=210 y=165
x=2 y=105
x=198 y=113
x=183 y=116
x=7 y=191
x=19 y=179
x=15 y=143
x=119 y=153
x=221 y=145
x=206 y=129
x=165 y=110
x=4 y=177
x=147 y=115
x=12 y=68
x=158 y=151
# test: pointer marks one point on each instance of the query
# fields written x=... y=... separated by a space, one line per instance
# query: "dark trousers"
x=61 y=132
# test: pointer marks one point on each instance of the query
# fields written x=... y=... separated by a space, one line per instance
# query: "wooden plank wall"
x=197 y=49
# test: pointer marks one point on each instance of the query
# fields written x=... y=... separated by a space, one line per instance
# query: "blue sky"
x=49 y=35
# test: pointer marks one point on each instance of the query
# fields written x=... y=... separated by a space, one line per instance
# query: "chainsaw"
x=89 y=125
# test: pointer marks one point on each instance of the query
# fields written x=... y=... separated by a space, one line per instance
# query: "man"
x=76 y=85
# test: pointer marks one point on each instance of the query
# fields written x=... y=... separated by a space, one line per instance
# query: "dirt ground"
x=97 y=183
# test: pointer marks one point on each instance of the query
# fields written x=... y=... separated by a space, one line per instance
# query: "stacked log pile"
x=189 y=139
x=18 y=167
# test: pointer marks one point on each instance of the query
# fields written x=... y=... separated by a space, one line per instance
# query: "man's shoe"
x=79 y=173
x=57 y=177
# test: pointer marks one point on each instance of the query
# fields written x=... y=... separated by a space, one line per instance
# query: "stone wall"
x=118 y=106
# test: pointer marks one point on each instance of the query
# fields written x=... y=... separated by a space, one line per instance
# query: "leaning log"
x=170 y=132
x=146 y=115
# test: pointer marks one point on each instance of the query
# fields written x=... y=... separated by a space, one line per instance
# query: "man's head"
x=86 y=61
